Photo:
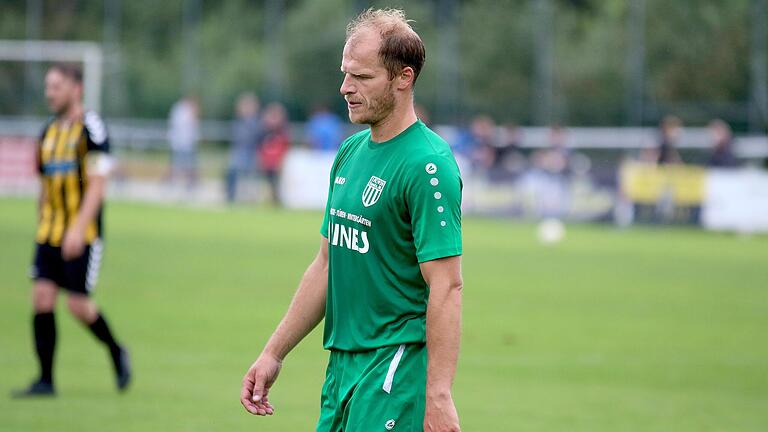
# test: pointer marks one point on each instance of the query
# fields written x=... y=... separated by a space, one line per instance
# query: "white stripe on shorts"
x=387 y=387
x=94 y=262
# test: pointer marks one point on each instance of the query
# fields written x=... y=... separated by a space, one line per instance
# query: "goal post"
x=88 y=53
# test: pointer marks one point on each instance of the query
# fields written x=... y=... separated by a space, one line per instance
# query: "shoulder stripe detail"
x=96 y=128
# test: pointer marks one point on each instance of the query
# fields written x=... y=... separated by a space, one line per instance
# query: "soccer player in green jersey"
x=387 y=278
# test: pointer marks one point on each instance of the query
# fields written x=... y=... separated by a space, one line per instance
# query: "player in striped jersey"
x=74 y=163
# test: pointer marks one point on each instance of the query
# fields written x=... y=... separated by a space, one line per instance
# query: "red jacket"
x=273 y=149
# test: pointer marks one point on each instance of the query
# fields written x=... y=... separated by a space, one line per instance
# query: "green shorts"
x=378 y=390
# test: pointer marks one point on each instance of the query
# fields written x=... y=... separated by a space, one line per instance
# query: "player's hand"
x=73 y=244
x=440 y=414
x=256 y=384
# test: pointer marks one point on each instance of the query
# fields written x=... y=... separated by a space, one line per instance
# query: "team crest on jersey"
x=372 y=191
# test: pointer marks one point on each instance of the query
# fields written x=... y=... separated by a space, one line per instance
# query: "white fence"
x=151 y=134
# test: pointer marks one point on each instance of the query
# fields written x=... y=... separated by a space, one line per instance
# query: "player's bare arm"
x=74 y=240
x=443 y=333
x=305 y=312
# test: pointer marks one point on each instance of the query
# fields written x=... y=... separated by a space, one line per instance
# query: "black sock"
x=100 y=329
x=44 y=326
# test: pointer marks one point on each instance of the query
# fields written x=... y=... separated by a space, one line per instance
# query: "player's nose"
x=346 y=87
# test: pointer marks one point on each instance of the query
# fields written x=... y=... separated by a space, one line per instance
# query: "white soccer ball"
x=551 y=231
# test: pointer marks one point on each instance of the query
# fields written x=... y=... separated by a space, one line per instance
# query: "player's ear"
x=405 y=79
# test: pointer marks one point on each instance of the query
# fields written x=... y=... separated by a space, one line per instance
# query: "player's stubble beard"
x=61 y=110
x=379 y=108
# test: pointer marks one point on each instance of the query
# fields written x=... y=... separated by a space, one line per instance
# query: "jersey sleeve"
x=324 y=227
x=96 y=135
x=433 y=198
x=343 y=148
x=97 y=159
x=331 y=180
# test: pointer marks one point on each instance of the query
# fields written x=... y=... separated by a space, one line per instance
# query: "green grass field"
x=636 y=330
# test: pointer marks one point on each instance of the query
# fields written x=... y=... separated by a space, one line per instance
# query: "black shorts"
x=78 y=275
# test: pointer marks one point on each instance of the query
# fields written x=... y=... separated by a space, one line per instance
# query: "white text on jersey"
x=350 y=238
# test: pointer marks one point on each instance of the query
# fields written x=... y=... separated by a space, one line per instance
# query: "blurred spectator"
x=274 y=146
x=722 y=145
x=482 y=142
x=555 y=159
x=549 y=179
x=508 y=158
x=460 y=142
x=324 y=130
x=669 y=135
x=183 y=135
x=247 y=131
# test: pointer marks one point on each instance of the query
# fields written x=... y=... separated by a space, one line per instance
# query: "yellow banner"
x=645 y=183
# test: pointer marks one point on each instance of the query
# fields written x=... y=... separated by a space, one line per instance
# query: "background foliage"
x=696 y=56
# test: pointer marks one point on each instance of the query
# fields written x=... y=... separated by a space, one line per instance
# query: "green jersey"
x=391 y=206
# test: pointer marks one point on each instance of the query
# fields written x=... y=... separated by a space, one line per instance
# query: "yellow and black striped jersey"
x=63 y=150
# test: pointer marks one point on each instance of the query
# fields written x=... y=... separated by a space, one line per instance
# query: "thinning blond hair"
x=400 y=45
